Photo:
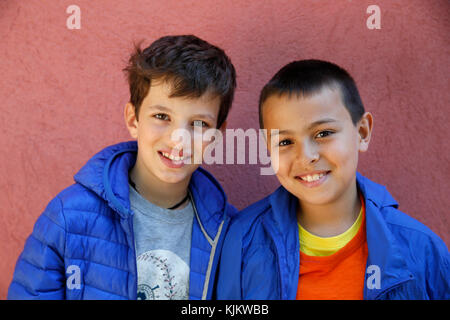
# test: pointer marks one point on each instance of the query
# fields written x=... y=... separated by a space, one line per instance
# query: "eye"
x=324 y=133
x=285 y=142
x=161 y=116
x=200 y=123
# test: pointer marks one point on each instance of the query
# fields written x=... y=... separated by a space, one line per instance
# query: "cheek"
x=285 y=162
x=342 y=154
x=148 y=130
x=153 y=134
x=205 y=144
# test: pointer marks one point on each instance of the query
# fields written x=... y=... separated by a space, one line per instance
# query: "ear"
x=131 y=119
x=365 y=125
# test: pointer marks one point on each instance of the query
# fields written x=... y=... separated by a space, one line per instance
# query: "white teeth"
x=311 y=178
x=172 y=157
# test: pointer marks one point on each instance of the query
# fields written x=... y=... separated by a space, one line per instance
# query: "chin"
x=175 y=177
x=318 y=202
x=314 y=199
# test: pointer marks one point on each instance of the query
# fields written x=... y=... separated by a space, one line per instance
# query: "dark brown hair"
x=190 y=64
x=306 y=78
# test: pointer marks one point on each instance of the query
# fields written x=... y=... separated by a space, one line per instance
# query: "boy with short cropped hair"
x=327 y=232
x=142 y=221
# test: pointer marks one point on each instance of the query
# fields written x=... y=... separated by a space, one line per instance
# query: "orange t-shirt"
x=339 y=276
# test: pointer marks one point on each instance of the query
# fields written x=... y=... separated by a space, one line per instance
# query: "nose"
x=308 y=153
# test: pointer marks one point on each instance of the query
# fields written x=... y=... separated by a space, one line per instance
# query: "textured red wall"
x=62 y=91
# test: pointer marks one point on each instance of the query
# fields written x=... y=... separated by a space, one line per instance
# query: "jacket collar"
x=106 y=174
x=385 y=256
x=281 y=223
x=384 y=252
x=209 y=199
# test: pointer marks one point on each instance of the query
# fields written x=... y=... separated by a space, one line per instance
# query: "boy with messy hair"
x=142 y=221
x=327 y=232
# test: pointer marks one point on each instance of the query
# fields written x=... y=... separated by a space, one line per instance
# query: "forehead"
x=298 y=111
x=159 y=94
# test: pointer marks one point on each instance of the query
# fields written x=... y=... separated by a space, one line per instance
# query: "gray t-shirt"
x=163 y=244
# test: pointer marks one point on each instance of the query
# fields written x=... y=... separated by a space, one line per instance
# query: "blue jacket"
x=261 y=255
x=88 y=227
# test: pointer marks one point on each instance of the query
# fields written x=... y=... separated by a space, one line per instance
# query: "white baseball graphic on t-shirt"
x=162 y=275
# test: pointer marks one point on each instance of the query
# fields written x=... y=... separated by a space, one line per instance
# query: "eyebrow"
x=280 y=132
x=321 y=121
x=159 y=107
x=207 y=116
x=312 y=125
x=168 y=110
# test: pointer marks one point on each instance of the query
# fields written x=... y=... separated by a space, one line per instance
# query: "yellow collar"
x=313 y=245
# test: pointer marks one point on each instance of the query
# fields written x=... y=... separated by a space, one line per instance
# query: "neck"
x=160 y=193
x=330 y=219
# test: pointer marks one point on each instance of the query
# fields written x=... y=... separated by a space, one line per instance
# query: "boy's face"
x=318 y=144
x=161 y=156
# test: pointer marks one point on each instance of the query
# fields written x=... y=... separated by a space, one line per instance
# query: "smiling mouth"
x=313 y=177
x=171 y=156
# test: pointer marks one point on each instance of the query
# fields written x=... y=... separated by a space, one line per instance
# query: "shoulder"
x=426 y=253
x=408 y=231
x=77 y=197
x=77 y=208
x=247 y=222
x=209 y=194
x=62 y=215
x=413 y=234
x=253 y=212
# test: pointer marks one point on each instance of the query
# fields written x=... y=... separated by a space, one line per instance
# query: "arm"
x=229 y=272
x=248 y=267
x=438 y=277
x=39 y=272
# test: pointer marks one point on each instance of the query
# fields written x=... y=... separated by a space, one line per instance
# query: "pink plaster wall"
x=62 y=91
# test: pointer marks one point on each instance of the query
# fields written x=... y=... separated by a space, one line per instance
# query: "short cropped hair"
x=306 y=78
x=192 y=65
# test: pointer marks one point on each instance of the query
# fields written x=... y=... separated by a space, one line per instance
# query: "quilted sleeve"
x=39 y=271
x=438 y=271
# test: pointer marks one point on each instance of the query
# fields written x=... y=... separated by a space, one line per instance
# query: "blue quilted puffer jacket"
x=88 y=227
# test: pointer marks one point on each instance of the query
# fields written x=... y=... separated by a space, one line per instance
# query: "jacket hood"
x=106 y=174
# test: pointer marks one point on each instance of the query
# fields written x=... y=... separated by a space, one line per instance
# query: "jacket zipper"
x=130 y=222
x=212 y=242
